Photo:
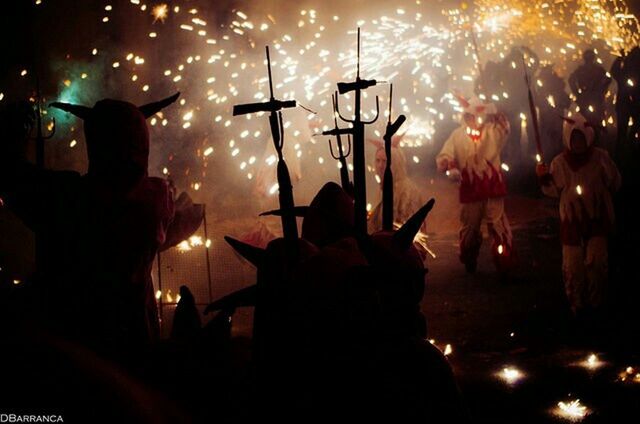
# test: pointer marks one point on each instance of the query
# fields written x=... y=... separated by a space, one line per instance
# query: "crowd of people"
x=337 y=314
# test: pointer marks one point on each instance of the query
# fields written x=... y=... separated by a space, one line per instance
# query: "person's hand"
x=443 y=164
x=541 y=169
x=502 y=120
x=454 y=175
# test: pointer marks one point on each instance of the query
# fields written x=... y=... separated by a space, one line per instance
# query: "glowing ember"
x=572 y=411
x=183 y=246
x=630 y=375
x=160 y=12
x=592 y=362
x=448 y=350
x=195 y=241
x=511 y=375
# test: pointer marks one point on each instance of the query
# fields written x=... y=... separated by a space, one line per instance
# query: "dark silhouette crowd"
x=338 y=329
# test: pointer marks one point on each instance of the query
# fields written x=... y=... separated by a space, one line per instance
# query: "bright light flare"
x=592 y=362
x=510 y=375
x=160 y=12
x=571 y=410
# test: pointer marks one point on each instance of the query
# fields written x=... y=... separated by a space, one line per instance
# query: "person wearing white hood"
x=471 y=157
x=584 y=178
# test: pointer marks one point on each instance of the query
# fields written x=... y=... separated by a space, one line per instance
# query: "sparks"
x=592 y=362
x=511 y=375
x=572 y=410
x=160 y=12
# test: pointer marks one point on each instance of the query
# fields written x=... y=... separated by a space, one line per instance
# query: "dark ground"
x=477 y=314
x=526 y=324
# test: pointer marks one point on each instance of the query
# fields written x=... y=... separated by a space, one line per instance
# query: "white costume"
x=472 y=155
x=584 y=184
x=407 y=198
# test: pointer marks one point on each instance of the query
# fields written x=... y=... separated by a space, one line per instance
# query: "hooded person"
x=552 y=101
x=407 y=198
x=584 y=178
x=98 y=234
x=589 y=84
x=471 y=156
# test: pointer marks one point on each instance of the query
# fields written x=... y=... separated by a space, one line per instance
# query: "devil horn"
x=568 y=120
x=253 y=254
x=405 y=235
x=463 y=102
x=300 y=211
x=151 y=109
x=243 y=297
x=82 y=112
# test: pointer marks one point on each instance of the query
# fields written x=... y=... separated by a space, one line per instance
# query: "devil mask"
x=577 y=123
x=117 y=135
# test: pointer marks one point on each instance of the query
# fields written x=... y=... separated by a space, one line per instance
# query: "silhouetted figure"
x=471 y=157
x=589 y=83
x=584 y=178
x=407 y=198
x=514 y=105
x=552 y=101
x=99 y=232
x=186 y=319
x=488 y=82
x=626 y=72
x=342 y=326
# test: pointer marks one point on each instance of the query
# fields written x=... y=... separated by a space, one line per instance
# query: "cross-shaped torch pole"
x=357 y=130
x=285 y=189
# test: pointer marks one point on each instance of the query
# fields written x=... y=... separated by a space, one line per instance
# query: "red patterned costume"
x=584 y=182
x=471 y=156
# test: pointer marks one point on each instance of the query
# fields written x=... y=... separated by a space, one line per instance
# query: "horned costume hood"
x=476 y=107
x=577 y=122
x=117 y=134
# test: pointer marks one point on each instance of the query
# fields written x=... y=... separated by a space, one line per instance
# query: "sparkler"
x=212 y=70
